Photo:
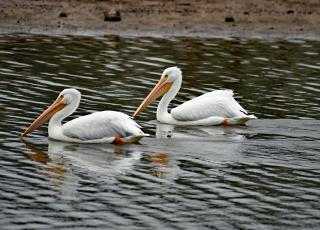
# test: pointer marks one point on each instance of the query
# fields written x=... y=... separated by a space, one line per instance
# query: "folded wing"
x=219 y=103
x=101 y=125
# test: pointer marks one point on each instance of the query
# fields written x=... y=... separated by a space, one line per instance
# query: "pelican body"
x=99 y=127
x=213 y=108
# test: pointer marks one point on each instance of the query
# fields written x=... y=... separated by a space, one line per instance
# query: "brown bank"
x=207 y=18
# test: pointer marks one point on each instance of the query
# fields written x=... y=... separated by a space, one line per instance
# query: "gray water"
x=265 y=175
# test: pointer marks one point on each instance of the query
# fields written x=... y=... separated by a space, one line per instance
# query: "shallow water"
x=265 y=175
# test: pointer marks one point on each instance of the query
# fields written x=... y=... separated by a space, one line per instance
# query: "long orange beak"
x=45 y=116
x=159 y=90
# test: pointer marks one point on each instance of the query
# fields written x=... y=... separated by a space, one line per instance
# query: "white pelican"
x=99 y=127
x=213 y=108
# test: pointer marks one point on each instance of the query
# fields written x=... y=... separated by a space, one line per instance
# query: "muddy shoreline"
x=216 y=18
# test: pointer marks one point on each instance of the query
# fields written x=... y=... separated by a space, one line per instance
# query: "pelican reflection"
x=98 y=158
x=159 y=164
x=55 y=168
x=165 y=131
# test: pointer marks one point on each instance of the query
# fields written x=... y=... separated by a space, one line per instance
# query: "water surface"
x=261 y=176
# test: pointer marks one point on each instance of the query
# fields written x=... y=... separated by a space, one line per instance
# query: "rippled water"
x=265 y=175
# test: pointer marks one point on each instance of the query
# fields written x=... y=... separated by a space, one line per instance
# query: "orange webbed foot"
x=118 y=141
x=225 y=122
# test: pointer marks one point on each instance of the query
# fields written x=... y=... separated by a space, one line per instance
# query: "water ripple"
x=264 y=175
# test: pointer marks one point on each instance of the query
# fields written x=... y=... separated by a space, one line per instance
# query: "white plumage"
x=99 y=127
x=213 y=108
x=218 y=103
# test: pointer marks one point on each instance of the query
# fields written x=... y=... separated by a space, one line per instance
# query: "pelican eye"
x=165 y=77
x=60 y=98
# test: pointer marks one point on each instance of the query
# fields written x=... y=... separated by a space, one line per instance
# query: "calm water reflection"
x=261 y=176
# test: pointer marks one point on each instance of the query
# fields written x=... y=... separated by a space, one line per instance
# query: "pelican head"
x=171 y=74
x=168 y=78
x=68 y=100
